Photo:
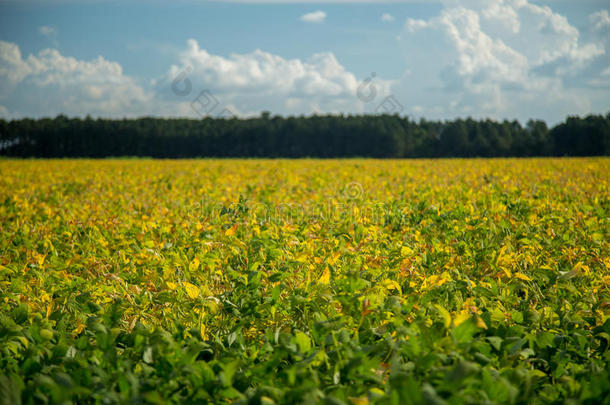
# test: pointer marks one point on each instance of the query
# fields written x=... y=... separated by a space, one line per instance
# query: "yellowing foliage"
x=411 y=272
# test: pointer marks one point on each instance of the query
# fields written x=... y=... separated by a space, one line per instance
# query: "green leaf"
x=11 y=387
x=465 y=331
x=495 y=341
x=303 y=342
x=545 y=339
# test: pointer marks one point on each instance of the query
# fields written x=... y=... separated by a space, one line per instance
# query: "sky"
x=498 y=59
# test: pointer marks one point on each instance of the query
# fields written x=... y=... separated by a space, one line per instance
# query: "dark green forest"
x=378 y=136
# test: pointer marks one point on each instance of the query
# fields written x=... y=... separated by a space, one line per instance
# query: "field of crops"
x=352 y=281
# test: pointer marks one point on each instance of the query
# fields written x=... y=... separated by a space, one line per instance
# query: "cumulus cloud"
x=484 y=58
x=259 y=81
x=314 y=17
x=49 y=83
x=499 y=58
x=201 y=83
x=47 y=31
x=600 y=20
x=386 y=17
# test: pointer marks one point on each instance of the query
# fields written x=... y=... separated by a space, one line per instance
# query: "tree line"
x=327 y=136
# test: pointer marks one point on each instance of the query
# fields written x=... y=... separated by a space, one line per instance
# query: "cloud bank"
x=49 y=83
x=480 y=58
x=503 y=58
x=200 y=83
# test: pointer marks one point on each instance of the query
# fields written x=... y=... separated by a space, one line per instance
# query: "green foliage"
x=481 y=281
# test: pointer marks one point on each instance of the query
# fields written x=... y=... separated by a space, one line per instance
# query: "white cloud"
x=47 y=31
x=413 y=25
x=50 y=83
x=386 y=17
x=264 y=72
x=12 y=68
x=259 y=81
x=485 y=58
x=314 y=17
x=600 y=20
x=499 y=58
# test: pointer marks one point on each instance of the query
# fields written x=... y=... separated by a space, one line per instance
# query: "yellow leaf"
x=391 y=285
x=325 y=277
x=231 y=231
x=79 y=328
x=481 y=323
x=522 y=276
x=406 y=251
x=376 y=392
x=192 y=290
x=445 y=314
x=171 y=286
x=194 y=265
x=40 y=259
x=334 y=258
x=579 y=266
x=202 y=330
x=267 y=401
x=461 y=317
x=359 y=400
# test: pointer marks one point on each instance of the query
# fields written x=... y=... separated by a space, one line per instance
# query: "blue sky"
x=439 y=60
